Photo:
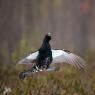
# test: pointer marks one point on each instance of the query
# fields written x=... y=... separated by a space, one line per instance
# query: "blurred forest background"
x=23 y=24
x=71 y=22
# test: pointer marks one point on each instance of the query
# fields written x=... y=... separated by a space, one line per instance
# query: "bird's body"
x=44 y=57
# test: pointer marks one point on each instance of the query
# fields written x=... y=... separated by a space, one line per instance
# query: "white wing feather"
x=60 y=56
x=29 y=59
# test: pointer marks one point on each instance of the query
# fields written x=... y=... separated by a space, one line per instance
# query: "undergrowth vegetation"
x=66 y=81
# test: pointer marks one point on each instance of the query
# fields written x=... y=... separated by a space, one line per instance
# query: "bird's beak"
x=49 y=34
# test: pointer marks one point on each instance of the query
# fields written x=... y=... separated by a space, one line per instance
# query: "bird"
x=45 y=56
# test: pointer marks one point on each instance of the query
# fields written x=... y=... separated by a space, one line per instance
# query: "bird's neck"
x=45 y=41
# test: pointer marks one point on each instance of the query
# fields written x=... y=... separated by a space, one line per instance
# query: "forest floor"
x=66 y=81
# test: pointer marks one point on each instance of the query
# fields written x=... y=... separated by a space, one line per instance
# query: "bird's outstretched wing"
x=59 y=56
x=29 y=59
x=65 y=56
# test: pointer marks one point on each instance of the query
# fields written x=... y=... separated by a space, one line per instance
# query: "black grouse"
x=45 y=56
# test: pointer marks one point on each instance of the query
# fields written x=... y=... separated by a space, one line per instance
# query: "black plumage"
x=44 y=57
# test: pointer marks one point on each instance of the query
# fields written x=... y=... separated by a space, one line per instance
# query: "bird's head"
x=47 y=37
